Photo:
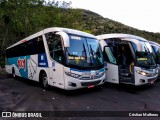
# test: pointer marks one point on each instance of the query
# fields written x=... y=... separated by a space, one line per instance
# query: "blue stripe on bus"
x=79 y=70
x=101 y=70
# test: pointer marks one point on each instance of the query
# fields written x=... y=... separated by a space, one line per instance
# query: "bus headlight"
x=72 y=75
x=142 y=73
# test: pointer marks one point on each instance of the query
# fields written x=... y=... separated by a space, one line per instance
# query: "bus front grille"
x=90 y=83
x=152 y=79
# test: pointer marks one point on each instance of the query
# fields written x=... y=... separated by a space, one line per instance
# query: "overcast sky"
x=141 y=14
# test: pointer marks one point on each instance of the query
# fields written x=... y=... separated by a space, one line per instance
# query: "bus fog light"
x=72 y=84
x=141 y=80
x=104 y=81
x=72 y=75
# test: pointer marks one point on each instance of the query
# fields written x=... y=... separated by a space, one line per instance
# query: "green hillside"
x=21 y=18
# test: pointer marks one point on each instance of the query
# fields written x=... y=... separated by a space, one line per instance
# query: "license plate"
x=90 y=86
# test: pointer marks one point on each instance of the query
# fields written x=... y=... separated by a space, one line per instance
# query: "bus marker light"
x=72 y=84
x=152 y=82
x=24 y=41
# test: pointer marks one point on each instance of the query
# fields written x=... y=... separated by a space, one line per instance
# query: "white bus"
x=156 y=53
x=129 y=59
x=65 y=58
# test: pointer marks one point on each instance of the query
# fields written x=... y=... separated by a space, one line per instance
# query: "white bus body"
x=129 y=59
x=65 y=58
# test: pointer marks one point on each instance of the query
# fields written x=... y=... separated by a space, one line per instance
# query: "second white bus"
x=129 y=59
x=65 y=58
x=156 y=54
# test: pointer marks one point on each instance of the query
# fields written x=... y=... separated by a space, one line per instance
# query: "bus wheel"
x=44 y=80
x=13 y=73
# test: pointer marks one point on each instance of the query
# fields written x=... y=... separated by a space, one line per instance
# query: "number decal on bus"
x=22 y=63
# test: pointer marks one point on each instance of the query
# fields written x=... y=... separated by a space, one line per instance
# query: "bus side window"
x=22 y=49
x=55 y=46
x=9 y=53
x=39 y=45
x=29 y=48
x=49 y=38
x=109 y=56
x=13 y=52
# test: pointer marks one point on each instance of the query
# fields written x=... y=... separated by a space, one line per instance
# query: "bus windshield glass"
x=84 y=53
x=145 y=56
x=157 y=53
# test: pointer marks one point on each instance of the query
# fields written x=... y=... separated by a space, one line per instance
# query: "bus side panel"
x=8 y=67
x=33 y=70
x=19 y=64
x=36 y=63
x=28 y=66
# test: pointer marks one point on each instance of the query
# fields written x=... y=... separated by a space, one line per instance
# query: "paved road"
x=23 y=95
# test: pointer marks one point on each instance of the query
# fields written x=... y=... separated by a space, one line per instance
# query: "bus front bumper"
x=73 y=84
x=142 y=80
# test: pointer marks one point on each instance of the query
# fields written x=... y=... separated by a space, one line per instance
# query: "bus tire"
x=44 y=79
x=13 y=73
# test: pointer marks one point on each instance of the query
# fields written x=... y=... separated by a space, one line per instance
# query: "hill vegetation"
x=21 y=18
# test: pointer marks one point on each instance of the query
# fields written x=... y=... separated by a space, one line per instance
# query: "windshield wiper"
x=84 y=51
x=89 y=52
x=85 y=54
x=93 y=56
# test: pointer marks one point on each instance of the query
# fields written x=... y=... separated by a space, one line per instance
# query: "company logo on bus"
x=22 y=63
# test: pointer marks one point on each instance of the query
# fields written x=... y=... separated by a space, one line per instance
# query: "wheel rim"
x=45 y=80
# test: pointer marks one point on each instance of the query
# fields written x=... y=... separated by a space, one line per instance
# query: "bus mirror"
x=65 y=38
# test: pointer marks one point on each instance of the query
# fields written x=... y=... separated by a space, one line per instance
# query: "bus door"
x=112 y=74
x=57 y=75
x=55 y=45
x=125 y=63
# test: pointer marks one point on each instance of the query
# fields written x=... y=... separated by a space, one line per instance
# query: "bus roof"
x=53 y=29
x=154 y=43
x=119 y=35
x=70 y=31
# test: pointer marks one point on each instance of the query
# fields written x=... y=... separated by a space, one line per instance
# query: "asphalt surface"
x=23 y=95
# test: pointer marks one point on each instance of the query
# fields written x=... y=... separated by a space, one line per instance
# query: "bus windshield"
x=157 y=53
x=145 y=56
x=84 y=53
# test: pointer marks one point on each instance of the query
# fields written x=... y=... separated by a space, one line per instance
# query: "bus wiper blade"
x=92 y=56
x=84 y=50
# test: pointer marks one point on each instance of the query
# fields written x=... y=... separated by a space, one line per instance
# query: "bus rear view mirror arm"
x=65 y=38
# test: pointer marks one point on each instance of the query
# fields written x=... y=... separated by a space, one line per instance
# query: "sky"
x=140 y=14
